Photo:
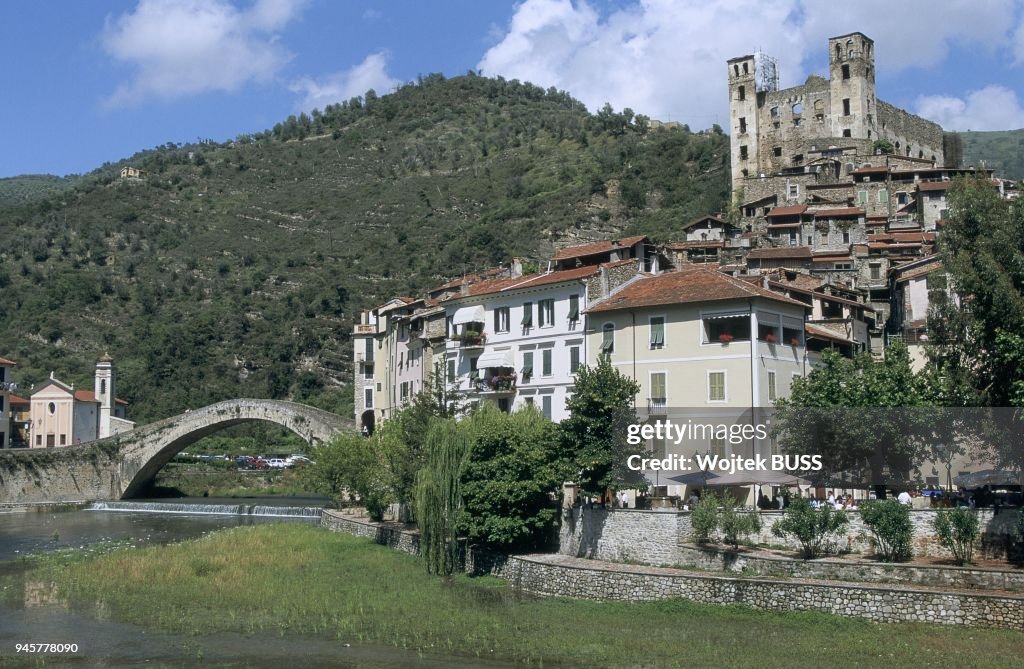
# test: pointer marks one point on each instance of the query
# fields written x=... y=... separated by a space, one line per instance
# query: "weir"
x=310 y=512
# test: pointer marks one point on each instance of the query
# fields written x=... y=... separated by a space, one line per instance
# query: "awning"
x=768 y=477
x=715 y=317
x=495 y=359
x=468 y=315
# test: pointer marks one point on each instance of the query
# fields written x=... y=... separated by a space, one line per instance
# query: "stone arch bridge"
x=121 y=465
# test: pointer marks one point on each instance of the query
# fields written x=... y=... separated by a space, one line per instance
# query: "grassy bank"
x=298 y=580
x=223 y=480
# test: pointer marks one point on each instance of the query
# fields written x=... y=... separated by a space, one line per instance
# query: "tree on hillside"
x=862 y=417
x=601 y=409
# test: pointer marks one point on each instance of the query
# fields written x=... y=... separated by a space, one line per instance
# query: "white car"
x=298 y=460
x=277 y=463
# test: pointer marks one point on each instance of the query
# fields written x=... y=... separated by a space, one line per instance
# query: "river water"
x=31 y=612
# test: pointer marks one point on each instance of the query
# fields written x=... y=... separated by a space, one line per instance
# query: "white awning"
x=468 y=315
x=495 y=359
x=735 y=314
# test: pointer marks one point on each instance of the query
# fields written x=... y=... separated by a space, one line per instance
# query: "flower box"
x=770 y=338
x=725 y=337
x=795 y=341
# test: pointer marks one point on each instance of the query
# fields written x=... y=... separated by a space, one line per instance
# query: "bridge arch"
x=120 y=466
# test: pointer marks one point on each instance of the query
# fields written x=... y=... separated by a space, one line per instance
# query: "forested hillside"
x=32 y=187
x=1002 y=151
x=236 y=269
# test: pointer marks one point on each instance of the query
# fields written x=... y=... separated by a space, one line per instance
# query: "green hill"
x=237 y=269
x=1002 y=151
x=32 y=187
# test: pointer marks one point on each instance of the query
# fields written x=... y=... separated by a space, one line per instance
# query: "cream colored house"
x=704 y=345
x=63 y=416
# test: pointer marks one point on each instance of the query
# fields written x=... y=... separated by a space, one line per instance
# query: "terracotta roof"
x=793 y=210
x=784 y=252
x=686 y=286
x=817 y=332
x=934 y=185
x=475 y=276
x=493 y=286
x=802 y=281
x=594 y=248
x=838 y=213
x=90 y=396
x=5 y=361
x=714 y=219
x=18 y=401
x=877 y=217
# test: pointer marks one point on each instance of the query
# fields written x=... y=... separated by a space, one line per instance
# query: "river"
x=30 y=612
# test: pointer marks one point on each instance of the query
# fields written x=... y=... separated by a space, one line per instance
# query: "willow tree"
x=438 y=495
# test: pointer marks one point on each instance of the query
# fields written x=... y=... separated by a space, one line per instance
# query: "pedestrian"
x=904 y=498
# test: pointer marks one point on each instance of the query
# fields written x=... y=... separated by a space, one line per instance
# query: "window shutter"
x=527 y=315
x=657 y=332
x=609 y=340
x=574 y=307
x=527 y=365
x=658 y=386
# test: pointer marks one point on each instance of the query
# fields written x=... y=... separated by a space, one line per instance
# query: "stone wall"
x=655 y=537
x=563 y=576
x=922 y=138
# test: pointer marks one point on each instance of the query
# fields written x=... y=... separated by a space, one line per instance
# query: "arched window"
x=52 y=408
x=103 y=386
x=798 y=109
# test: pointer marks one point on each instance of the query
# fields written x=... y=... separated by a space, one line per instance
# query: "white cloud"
x=666 y=58
x=990 y=108
x=1018 y=42
x=654 y=57
x=333 y=88
x=184 y=47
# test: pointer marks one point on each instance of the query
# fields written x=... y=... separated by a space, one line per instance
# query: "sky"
x=84 y=83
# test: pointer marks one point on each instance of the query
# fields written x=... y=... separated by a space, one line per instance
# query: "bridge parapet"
x=121 y=465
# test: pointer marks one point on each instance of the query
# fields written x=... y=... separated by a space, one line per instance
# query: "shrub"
x=704 y=517
x=891 y=529
x=737 y=526
x=958 y=529
x=809 y=526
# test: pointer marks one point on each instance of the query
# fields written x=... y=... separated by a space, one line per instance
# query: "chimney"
x=517 y=268
x=614 y=256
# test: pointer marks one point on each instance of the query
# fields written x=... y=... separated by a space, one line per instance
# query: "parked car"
x=277 y=463
x=258 y=463
x=298 y=460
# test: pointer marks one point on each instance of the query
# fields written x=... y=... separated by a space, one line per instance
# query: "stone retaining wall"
x=654 y=537
x=710 y=558
x=564 y=576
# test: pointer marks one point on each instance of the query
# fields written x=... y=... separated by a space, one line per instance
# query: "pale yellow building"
x=60 y=415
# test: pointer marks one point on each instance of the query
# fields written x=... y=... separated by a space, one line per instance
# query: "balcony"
x=497 y=385
x=364 y=329
x=657 y=405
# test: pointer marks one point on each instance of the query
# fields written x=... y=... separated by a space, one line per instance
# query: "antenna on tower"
x=767 y=69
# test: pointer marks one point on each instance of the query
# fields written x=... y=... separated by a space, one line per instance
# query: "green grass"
x=294 y=580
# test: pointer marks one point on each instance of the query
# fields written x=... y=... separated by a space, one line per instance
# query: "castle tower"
x=742 y=120
x=104 y=390
x=851 y=63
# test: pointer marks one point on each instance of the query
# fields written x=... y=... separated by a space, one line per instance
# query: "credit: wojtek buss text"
x=666 y=430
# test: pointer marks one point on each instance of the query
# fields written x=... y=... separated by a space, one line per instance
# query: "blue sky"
x=89 y=82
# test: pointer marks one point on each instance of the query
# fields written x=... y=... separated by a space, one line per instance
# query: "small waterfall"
x=210 y=509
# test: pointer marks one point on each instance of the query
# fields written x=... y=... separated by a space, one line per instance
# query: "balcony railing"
x=364 y=329
x=657 y=405
x=470 y=339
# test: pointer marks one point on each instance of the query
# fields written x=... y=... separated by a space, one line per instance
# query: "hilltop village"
x=838 y=198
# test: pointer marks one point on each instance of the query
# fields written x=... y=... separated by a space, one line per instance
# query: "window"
x=574 y=308
x=657 y=332
x=405 y=390
x=529 y=401
x=772 y=393
x=743 y=152
x=847 y=133
x=103 y=387
x=793 y=191
x=501 y=319
x=545 y=362
x=745 y=70
x=451 y=371
x=527 y=321
x=527 y=370
x=798 y=109
x=608 y=340
x=545 y=403
x=39 y=440
x=846 y=106
x=716 y=386
x=862 y=197
x=546 y=313
x=52 y=408
x=658 y=393
x=474 y=373
x=449 y=328
x=902 y=198
x=574 y=359
x=743 y=124
x=717 y=445
x=846 y=71
x=876 y=270
x=846 y=237
x=741 y=93
x=843 y=265
x=768 y=328
x=63 y=440
x=368 y=353
x=777 y=151
x=883 y=196
x=367 y=371
x=726 y=328
x=774 y=111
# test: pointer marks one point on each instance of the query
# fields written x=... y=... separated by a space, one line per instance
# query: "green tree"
x=859 y=415
x=514 y=470
x=350 y=464
x=890 y=526
x=809 y=526
x=438 y=501
x=594 y=434
x=957 y=530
